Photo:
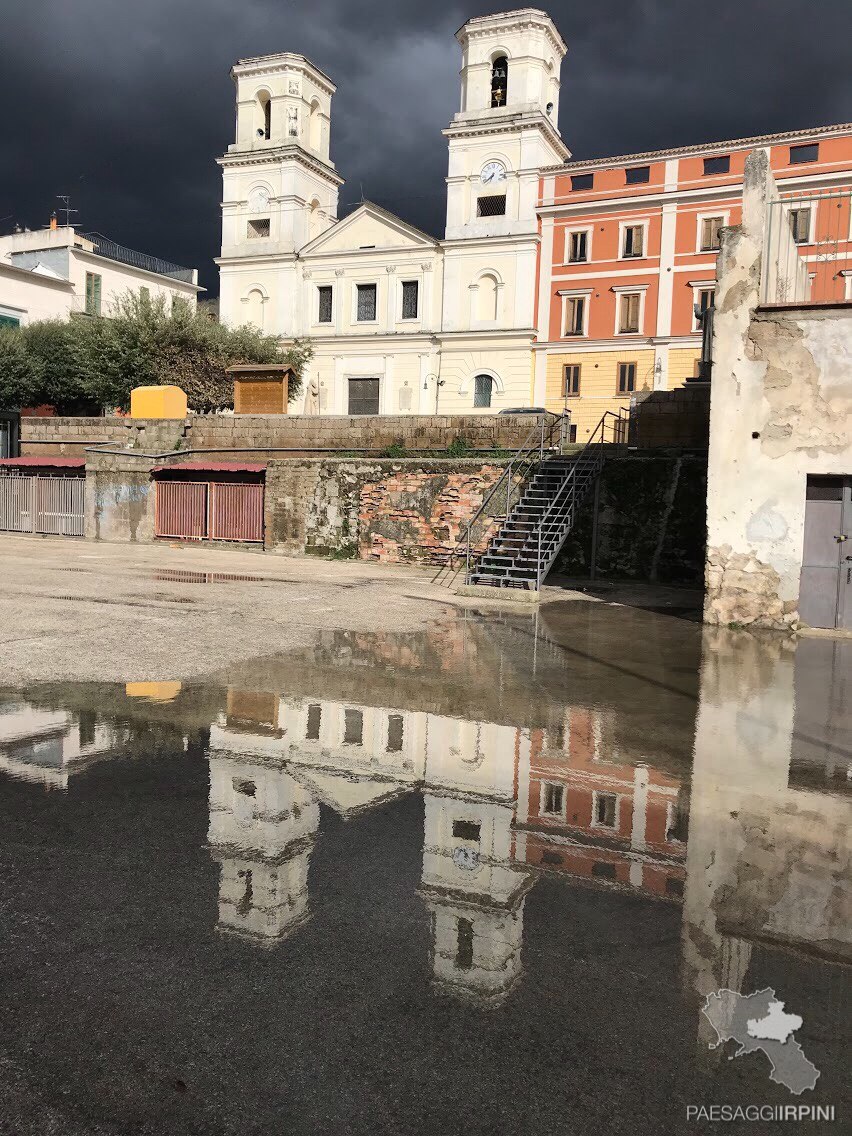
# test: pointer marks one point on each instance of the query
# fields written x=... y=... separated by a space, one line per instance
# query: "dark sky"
x=126 y=105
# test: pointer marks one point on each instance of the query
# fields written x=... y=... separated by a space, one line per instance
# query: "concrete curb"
x=499 y=595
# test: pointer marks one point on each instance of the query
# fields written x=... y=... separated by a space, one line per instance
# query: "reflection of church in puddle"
x=502 y=803
x=505 y=804
x=46 y=746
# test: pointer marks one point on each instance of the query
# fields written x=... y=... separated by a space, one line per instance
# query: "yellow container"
x=157 y=402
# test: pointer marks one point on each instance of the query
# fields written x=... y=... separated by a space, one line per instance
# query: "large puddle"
x=485 y=878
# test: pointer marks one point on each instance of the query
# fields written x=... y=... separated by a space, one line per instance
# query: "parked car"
x=523 y=410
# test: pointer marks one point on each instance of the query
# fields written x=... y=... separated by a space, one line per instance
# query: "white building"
x=54 y=272
x=400 y=322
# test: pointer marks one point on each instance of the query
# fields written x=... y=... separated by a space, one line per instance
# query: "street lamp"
x=438 y=384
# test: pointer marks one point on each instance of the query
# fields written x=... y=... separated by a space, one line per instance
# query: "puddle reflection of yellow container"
x=157 y=402
x=153 y=691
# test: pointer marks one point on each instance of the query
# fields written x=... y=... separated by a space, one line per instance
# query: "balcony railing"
x=113 y=251
x=808 y=248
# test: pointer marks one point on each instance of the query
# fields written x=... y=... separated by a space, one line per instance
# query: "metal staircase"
x=543 y=509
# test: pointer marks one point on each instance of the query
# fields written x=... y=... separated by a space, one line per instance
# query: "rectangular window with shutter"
x=93 y=294
x=410 y=296
x=578 y=246
x=634 y=242
x=800 y=224
x=571 y=386
x=324 y=295
x=628 y=321
x=710 y=229
x=626 y=378
x=575 y=314
x=366 y=303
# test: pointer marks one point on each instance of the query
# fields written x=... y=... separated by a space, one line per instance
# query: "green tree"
x=96 y=363
x=19 y=374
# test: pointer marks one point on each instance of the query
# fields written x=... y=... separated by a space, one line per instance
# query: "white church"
x=400 y=322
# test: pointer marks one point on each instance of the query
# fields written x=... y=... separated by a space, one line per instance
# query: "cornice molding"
x=702 y=148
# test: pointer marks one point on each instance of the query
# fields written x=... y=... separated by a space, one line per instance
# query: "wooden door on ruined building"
x=825 y=597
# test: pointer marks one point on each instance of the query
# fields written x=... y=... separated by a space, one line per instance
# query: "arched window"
x=486 y=299
x=263 y=115
x=499 y=80
x=483 y=388
x=315 y=127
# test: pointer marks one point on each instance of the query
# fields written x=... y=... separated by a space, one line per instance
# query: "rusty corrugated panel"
x=181 y=510
x=236 y=512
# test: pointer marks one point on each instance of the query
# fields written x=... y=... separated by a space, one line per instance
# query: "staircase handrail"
x=537 y=440
x=621 y=420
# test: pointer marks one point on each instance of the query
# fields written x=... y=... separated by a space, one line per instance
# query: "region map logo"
x=758 y=1021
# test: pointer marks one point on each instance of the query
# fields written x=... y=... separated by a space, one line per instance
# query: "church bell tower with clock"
x=506 y=129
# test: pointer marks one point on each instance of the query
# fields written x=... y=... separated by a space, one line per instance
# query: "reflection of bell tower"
x=262 y=827
x=476 y=898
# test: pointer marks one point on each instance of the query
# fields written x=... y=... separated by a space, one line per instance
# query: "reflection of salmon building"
x=46 y=746
x=592 y=812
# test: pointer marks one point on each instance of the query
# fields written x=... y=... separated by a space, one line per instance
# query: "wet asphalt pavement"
x=471 y=879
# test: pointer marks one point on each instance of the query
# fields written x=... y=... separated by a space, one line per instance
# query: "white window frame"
x=317 y=322
x=566 y=294
x=635 y=223
x=588 y=230
x=812 y=206
x=412 y=279
x=700 y=218
x=364 y=323
x=847 y=277
x=631 y=289
x=545 y=785
x=596 y=794
x=699 y=286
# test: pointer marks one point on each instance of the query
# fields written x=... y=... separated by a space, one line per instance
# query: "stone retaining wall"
x=259 y=436
x=679 y=417
x=405 y=510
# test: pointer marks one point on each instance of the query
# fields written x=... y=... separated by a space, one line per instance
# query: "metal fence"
x=209 y=510
x=52 y=506
x=808 y=248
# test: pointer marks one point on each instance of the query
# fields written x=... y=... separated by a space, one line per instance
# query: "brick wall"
x=404 y=510
x=258 y=436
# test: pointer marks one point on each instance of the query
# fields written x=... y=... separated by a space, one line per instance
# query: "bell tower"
x=280 y=185
x=506 y=129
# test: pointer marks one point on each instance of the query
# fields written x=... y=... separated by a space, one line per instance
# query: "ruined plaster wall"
x=403 y=510
x=255 y=436
x=119 y=498
x=781 y=408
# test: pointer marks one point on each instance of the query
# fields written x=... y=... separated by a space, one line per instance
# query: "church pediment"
x=369 y=227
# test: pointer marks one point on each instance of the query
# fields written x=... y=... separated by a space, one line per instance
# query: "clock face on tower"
x=492 y=172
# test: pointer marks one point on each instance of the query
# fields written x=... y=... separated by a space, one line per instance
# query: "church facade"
x=400 y=322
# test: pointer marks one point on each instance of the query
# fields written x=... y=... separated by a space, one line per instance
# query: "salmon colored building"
x=587 y=809
x=628 y=251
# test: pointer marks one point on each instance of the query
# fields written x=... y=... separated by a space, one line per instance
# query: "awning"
x=211 y=467
x=44 y=461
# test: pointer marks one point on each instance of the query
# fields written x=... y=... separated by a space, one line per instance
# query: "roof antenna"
x=66 y=207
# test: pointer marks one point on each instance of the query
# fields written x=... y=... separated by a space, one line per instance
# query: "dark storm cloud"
x=125 y=106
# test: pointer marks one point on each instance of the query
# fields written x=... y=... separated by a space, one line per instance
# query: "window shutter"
x=638 y=234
